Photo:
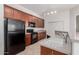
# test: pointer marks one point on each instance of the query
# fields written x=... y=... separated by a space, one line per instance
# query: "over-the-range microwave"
x=31 y=24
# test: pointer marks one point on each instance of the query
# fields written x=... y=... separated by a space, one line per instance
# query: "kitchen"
x=37 y=31
x=14 y=17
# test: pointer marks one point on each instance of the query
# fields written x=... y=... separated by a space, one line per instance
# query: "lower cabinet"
x=28 y=39
x=47 y=51
x=41 y=35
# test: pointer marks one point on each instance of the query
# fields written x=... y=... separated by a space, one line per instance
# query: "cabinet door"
x=8 y=12
x=28 y=39
x=31 y=18
x=44 y=34
x=37 y=22
x=25 y=17
x=17 y=14
x=48 y=51
x=41 y=24
x=57 y=53
x=39 y=36
x=45 y=51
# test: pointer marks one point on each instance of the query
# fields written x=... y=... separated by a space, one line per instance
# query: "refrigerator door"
x=14 y=36
x=16 y=42
x=15 y=25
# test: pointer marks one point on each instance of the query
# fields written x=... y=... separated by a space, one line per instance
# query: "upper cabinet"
x=40 y=23
x=8 y=12
x=15 y=14
x=24 y=16
x=31 y=18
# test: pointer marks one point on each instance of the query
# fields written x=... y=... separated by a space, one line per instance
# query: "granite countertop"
x=57 y=45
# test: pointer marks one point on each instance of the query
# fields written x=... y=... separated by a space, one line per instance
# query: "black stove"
x=34 y=37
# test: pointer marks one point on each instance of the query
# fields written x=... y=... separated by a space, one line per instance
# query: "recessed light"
x=48 y=13
x=55 y=11
x=52 y=12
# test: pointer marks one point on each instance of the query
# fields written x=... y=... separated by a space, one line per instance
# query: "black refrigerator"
x=14 y=32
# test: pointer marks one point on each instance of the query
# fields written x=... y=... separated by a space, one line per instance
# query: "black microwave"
x=31 y=24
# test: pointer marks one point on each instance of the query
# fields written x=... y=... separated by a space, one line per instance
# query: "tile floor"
x=33 y=49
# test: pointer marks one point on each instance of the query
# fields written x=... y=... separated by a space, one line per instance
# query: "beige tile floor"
x=33 y=49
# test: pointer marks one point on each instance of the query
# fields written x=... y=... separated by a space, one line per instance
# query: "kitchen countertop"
x=57 y=45
x=27 y=33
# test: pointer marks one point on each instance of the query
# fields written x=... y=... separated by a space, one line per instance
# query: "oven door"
x=34 y=37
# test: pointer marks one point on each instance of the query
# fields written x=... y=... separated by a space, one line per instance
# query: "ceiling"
x=41 y=8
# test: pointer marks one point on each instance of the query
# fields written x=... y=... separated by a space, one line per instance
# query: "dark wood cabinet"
x=45 y=51
x=48 y=51
x=39 y=23
x=28 y=39
x=17 y=14
x=41 y=35
x=8 y=12
x=31 y=18
x=25 y=17
x=13 y=13
x=54 y=52
x=42 y=23
x=36 y=22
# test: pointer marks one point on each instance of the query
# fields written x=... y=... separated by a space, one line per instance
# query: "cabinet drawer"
x=17 y=14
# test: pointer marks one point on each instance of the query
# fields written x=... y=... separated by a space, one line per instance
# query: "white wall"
x=1 y=30
x=59 y=21
x=77 y=23
x=73 y=13
x=75 y=48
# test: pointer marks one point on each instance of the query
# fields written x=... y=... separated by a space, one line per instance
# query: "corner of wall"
x=1 y=30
